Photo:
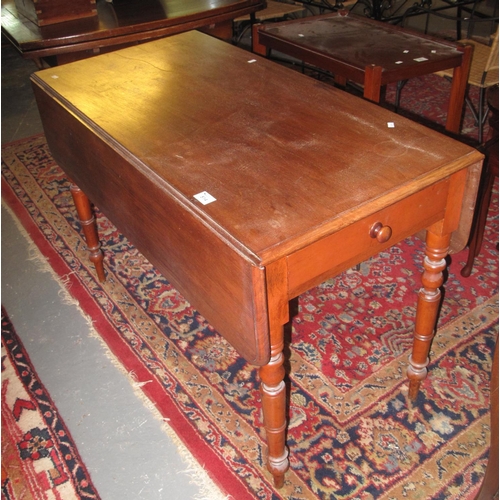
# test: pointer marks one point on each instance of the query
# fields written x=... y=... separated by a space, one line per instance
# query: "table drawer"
x=337 y=252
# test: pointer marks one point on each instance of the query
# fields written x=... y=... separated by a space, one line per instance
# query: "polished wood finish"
x=429 y=298
x=89 y=227
x=368 y=52
x=299 y=184
x=45 y=12
x=120 y=24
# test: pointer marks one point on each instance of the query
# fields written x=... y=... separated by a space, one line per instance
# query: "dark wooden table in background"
x=368 y=52
x=245 y=196
x=120 y=24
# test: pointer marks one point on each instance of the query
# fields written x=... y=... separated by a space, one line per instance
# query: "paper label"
x=204 y=198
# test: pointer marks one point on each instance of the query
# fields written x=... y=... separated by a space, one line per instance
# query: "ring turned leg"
x=273 y=394
x=427 y=308
x=88 y=222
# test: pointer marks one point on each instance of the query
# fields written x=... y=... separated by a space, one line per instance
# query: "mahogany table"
x=368 y=52
x=119 y=24
x=245 y=196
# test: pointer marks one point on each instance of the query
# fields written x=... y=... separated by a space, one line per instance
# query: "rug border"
x=62 y=423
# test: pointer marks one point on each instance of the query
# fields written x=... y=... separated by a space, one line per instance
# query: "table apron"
x=337 y=252
x=421 y=69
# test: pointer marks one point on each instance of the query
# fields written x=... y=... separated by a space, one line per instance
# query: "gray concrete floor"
x=125 y=446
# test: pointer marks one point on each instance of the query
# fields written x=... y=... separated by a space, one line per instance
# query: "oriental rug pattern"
x=39 y=458
x=352 y=433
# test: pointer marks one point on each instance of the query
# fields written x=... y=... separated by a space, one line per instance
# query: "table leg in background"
x=373 y=83
x=457 y=94
x=257 y=47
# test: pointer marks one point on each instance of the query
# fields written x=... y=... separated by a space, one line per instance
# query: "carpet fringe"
x=195 y=470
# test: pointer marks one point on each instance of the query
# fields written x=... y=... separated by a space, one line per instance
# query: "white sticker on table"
x=204 y=198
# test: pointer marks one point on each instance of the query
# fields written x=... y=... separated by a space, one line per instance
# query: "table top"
x=199 y=115
x=358 y=42
x=121 y=19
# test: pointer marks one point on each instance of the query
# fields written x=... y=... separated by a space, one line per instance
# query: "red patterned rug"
x=352 y=434
x=39 y=458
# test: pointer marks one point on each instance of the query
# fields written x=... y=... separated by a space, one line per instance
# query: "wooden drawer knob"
x=380 y=232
